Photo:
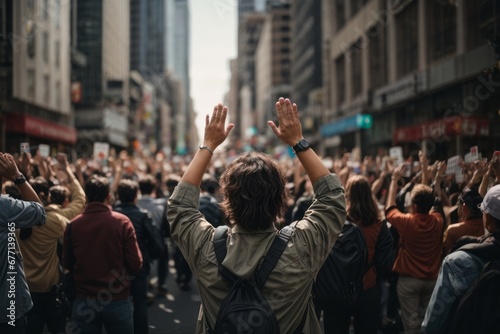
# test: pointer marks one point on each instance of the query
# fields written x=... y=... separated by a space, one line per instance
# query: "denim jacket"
x=458 y=271
x=15 y=299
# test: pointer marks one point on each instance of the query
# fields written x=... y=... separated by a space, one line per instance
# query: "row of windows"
x=441 y=41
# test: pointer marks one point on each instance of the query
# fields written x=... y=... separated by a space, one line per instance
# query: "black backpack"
x=478 y=311
x=340 y=279
x=245 y=309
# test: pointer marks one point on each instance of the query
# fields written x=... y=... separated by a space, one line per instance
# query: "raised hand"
x=215 y=130
x=8 y=167
x=290 y=128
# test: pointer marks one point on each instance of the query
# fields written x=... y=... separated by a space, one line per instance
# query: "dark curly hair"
x=254 y=193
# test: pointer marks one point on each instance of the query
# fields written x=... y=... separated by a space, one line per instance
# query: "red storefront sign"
x=36 y=127
x=453 y=126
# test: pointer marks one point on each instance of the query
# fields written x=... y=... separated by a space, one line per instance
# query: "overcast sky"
x=213 y=44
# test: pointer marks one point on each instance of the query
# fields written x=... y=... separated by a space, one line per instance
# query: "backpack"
x=245 y=309
x=478 y=310
x=154 y=240
x=340 y=279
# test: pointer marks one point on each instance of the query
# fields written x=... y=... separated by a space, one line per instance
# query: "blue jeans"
x=138 y=291
x=89 y=315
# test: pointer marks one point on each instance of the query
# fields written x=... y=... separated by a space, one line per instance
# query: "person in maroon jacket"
x=103 y=254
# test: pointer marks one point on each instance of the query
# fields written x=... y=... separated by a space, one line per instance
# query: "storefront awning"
x=453 y=126
x=36 y=127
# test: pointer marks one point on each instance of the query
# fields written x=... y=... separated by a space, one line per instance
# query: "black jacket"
x=144 y=229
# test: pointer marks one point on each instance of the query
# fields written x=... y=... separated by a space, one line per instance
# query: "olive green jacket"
x=288 y=288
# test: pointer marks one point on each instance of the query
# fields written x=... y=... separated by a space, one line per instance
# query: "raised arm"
x=290 y=132
x=9 y=170
x=215 y=134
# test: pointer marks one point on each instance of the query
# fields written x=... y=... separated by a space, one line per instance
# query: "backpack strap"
x=220 y=248
x=273 y=254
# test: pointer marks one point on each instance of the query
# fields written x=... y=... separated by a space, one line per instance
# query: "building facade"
x=177 y=60
x=103 y=36
x=272 y=64
x=410 y=73
x=35 y=75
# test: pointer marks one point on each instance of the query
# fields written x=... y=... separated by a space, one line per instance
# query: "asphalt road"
x=177 y=311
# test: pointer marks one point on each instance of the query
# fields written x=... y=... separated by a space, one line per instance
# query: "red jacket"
x=105 y=252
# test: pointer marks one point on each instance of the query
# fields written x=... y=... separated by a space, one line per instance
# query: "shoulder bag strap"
x=273 y=254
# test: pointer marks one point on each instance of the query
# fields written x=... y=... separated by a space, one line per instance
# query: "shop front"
x=443 y=138
x=33 y=130
x=345 y=134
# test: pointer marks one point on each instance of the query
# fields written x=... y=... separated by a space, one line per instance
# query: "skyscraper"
x=147 y=36
x=177 y=60
x=103 y=35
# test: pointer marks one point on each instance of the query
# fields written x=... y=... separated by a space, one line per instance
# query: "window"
x=407 y=39
x=340 y=69
x=444 y=29
x=377 y=51
x=31 y=84
x=489 y=19
x=340 y=9
x=57 y=56
x=46 y=84
x=58 y=95
x=45 y=9
x=45 y=47
x=356 y=68
x=357 y=5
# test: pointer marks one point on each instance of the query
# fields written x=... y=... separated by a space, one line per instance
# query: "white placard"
x=468 y=158
x=396 y=154
x=459 y=175
x=101 y=151
x=452 y=165
x=474 y=153
x=44 y=150
x=24 y=147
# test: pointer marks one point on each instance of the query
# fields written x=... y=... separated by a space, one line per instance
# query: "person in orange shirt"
x=471 y=220
x=420 y=246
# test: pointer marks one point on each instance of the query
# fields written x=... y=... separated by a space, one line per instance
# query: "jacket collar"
x=96 y=207
x=238 y=229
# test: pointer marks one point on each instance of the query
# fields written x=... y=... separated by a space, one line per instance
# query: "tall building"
x=35 y=75
x=103 y=36
x=306 y=64
x=147 y=36
x=272 y=63
x=249 y=29
x=177 y=60
x=411 y=74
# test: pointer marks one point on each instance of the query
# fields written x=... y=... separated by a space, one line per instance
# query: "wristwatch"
x=19 y=180
x=301 y=145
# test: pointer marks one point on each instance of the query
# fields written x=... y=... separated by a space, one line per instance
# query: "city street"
x=176 y=312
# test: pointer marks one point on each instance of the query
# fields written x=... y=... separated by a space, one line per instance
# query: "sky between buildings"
x=213 y=44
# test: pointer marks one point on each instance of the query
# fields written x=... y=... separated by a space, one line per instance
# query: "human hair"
x=209 y=184
x=58 y=194
x=423 y=198
x=97 y=189
x=361 y=205
x=127 y=191
x=12 y=190
x=41 y=187
x=147 y=184
x=253 y=188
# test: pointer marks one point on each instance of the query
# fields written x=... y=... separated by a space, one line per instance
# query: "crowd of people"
x=83 y=246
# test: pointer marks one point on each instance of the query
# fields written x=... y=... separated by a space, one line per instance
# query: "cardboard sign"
x=101 y=151
x=459 y=175
x=44 y=150
x=468 y=158
x=24 y=147
x=452 y=165
x=396 y=153
x=474 y=153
